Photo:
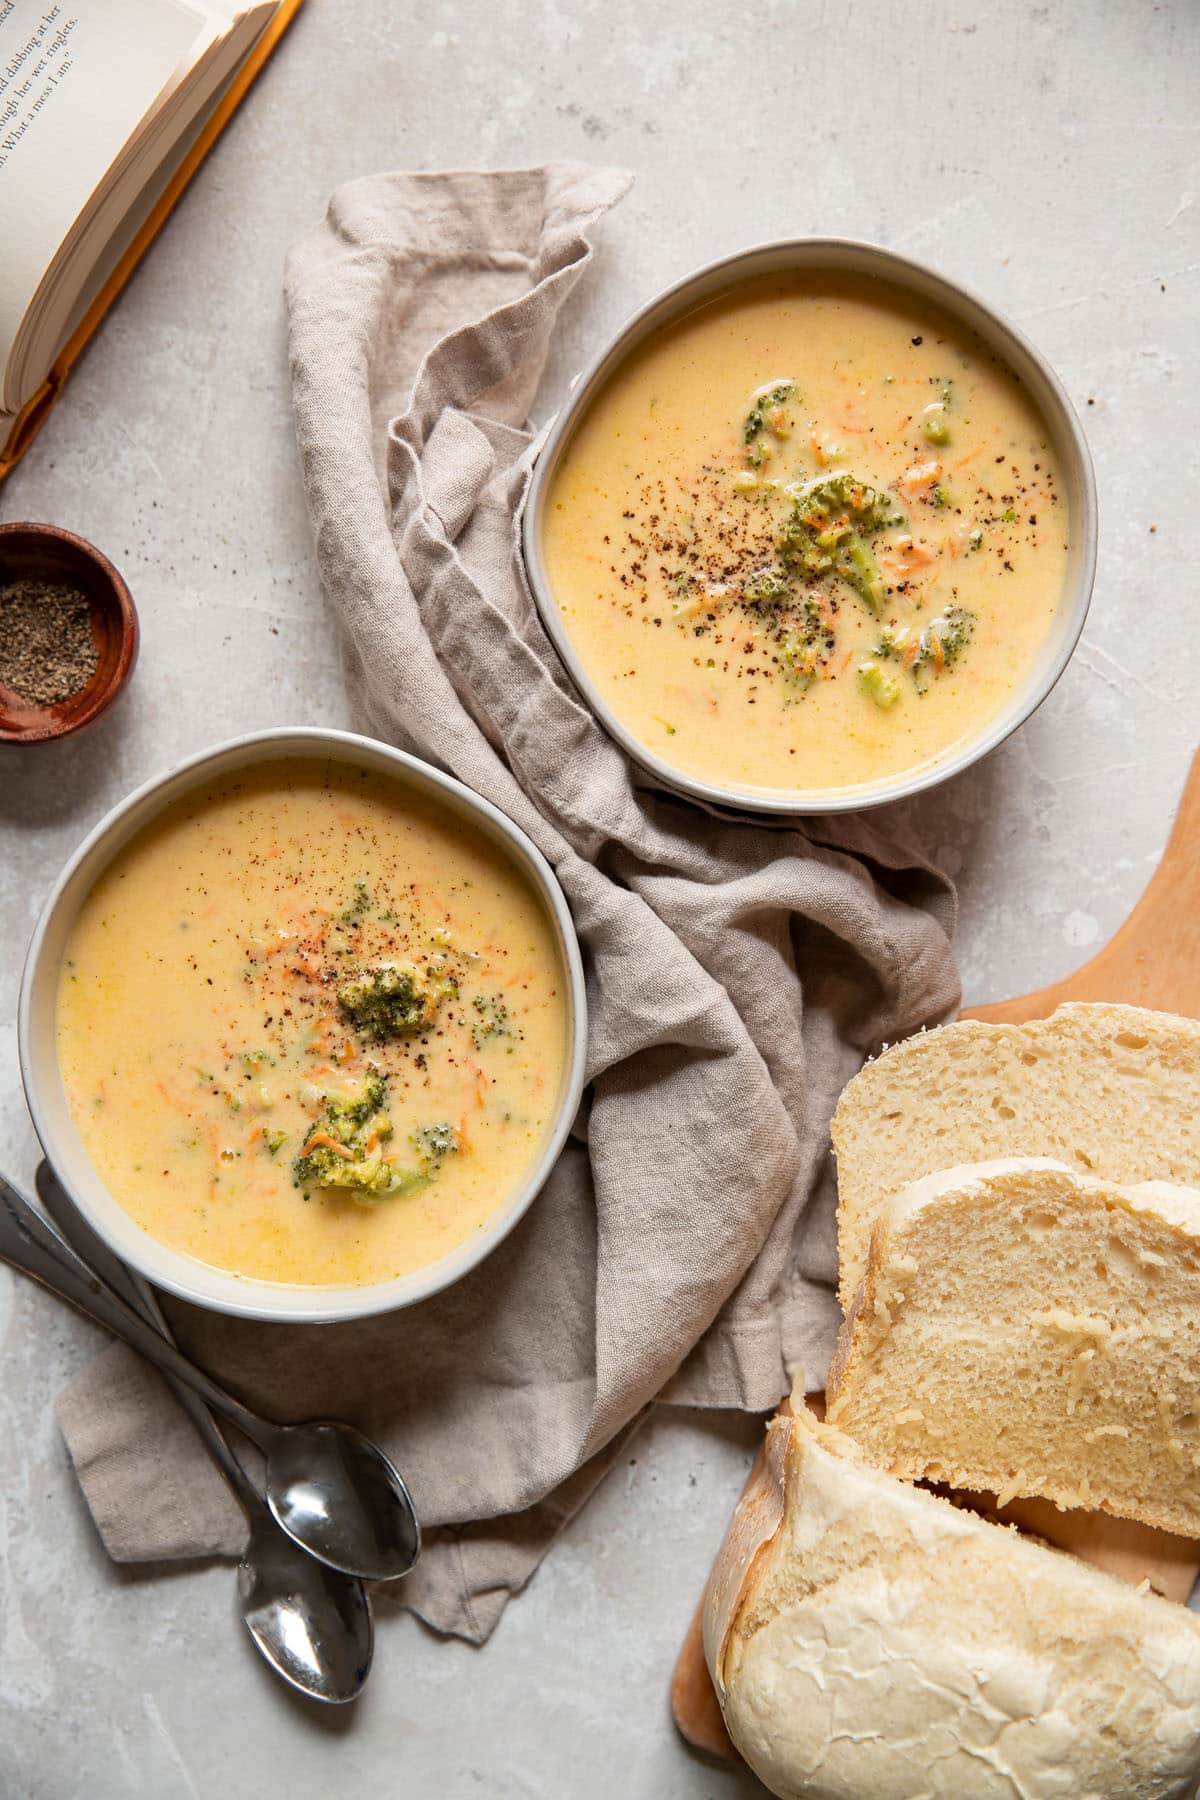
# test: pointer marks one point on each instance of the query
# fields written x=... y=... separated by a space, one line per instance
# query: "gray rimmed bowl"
x=204 y=1285
x=840 y=257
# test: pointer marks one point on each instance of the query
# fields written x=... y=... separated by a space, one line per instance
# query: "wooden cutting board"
x=1154 y=960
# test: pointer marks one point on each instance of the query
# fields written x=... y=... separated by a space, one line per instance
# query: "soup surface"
x=312 y=1030
x=807 y=536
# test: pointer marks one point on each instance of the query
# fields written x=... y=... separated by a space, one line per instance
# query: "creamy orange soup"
x=312 y=1030
x=810 y=535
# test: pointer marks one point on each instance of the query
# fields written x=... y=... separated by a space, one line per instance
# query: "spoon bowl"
x=334 y=1492
x=312 y=1624
x=331 y=1489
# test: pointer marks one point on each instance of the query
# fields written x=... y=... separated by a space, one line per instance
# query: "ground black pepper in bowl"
x=68 y=632
x=46 y=648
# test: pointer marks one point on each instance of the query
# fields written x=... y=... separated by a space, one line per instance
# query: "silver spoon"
x=330 y=1488
x=311 y=1623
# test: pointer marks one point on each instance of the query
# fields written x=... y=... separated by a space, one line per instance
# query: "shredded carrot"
x=969 y=457
x=920 y=476
x=818 y=450
x=939 y=655
x=910 y=652
x=330 y=1143
x=909 y=556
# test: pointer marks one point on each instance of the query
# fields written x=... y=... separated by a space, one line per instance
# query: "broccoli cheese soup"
x=809 y=535
x=311 y=1028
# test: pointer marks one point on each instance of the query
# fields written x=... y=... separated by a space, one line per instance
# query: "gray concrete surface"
x=1044 y=154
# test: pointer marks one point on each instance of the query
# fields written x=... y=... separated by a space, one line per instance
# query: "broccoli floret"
x=827 y=534
x=393 y=1001
x=798 y=658
x=345 y=1149
x=765 y=402
x=767 y=589
x=844 y=496
x=493 y=1014
x=435 y=1141
x=805 y=639
x=928 y=652
x=346 y=1116
x=942 y=643
x=892 y=643
x=955 y=628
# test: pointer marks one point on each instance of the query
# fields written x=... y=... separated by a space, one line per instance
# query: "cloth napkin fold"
x=738 y=970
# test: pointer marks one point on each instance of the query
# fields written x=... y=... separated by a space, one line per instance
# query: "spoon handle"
x=27 y=1243
x=129 y=1286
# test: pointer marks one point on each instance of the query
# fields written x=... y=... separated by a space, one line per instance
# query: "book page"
x=76 y=79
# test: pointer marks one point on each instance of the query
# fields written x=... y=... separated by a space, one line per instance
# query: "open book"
x=102 y=103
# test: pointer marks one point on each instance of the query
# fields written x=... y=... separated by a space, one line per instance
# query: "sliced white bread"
x=1111 y=1090
x=1027 y=1330
x=869 y=1639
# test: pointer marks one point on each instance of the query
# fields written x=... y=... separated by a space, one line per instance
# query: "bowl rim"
x=90 y=702
x=844 y=256
x=175 y=1271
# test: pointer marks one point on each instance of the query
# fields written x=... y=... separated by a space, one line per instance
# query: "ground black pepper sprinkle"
x=46 y=648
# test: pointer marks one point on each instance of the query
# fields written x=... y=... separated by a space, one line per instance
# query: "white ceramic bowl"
x=840 y=256
x=44 y=1091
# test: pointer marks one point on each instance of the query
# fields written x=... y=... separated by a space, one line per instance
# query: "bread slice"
x=866 y=1638
x=1030 y=1331
x=1111 y=1090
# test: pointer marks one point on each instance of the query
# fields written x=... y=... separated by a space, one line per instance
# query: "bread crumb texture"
x=891 y=1647
x=1030 y=1331
x=1109 y=1090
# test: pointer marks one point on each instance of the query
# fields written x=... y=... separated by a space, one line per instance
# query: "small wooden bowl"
x=47 y=553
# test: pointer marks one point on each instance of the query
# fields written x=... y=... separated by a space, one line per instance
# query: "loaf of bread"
x=1027 y=1330
x=870 y=1641
x=1110 y=1090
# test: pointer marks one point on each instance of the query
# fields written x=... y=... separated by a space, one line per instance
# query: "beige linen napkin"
x=737 y=970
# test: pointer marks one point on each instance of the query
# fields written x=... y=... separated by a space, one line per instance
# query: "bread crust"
x=756 y=1519
x=884 y=1643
